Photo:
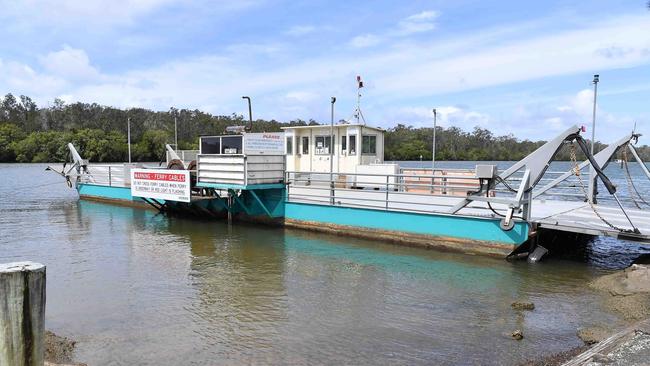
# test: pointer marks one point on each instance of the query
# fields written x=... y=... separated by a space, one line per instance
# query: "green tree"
x=152 y=146
x=9 y=135
x=42 y=147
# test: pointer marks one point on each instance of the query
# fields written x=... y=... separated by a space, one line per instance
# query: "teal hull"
x=107 y=193
x=455 y=232
x=472 y=234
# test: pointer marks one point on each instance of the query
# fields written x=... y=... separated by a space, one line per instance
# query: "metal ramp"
x=578 y=217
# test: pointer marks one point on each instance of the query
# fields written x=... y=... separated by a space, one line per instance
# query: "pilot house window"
x=289 y=145
x=323 y=145
x=231 y=144
x=369 y=145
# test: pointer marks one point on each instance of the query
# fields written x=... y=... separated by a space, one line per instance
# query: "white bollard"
x=22 y=313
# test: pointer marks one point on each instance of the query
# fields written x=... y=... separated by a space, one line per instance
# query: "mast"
x=357 y=112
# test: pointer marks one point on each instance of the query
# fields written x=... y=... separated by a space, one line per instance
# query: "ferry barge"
x=334 y=179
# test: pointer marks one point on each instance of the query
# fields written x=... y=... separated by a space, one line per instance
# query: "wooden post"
x=22 y=313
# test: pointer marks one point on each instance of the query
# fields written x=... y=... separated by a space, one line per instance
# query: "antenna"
x=357 y=112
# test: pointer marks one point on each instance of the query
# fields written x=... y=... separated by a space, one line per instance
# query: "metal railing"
x=106 y=175
x=186 y=155
x=424 y=193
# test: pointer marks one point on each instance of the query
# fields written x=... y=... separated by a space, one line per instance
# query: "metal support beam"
x=260 y=203
x=638 y=159
x=536 y=164
x=238 y=200
x=602 y=158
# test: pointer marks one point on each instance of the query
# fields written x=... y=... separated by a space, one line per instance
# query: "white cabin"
x=308 y=147
x=244 y=159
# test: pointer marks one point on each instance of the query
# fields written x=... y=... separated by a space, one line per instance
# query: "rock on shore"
x=59 y=350
x=628 y=291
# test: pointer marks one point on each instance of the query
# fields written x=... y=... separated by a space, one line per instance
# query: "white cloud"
x=245 y=50
x=22 y=79
x=534 y=119
x=69 y=63
x=423 y=16
x=552 y=54
x=418 y=23
x=447 y=116
x=300 y=30
x=70 y=12
x=102 y=15
x=301 y=96
x=365 y=40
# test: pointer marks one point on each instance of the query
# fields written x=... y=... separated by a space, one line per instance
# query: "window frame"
x=325 y=138
x=239 y=146
x=206 y=144
x=288 y=145
x=305 y=146
x=351 y=138
x=371 y=147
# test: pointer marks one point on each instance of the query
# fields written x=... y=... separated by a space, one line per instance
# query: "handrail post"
x=331 y=189
x=387 y=177
x=443 y=189
x=110 y=184
x=245 y=170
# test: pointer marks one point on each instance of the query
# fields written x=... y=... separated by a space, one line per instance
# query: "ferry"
x=334 y=179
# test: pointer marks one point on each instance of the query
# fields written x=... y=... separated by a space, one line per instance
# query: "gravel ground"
x=635 y=351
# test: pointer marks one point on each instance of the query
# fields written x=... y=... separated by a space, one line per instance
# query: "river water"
x=137 y=288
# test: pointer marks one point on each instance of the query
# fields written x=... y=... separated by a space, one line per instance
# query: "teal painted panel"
x=272 y=199
x=116 y=193
x=462 y=227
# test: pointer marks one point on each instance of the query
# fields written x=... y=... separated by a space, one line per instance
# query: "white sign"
x=169 y=185
x=267 y=143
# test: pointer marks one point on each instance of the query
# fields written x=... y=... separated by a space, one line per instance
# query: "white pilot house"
x=354 y=145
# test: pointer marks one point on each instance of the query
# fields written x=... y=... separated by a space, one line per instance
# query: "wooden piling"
x=22 y=313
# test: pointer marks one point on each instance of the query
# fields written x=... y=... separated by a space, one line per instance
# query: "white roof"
x=336 y=125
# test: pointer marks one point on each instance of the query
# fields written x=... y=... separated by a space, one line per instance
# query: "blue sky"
x=517 y=67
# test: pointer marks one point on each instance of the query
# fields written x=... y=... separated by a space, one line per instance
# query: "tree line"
x=30 y=134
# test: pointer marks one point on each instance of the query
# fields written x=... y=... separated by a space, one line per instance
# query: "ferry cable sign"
x=169 y=185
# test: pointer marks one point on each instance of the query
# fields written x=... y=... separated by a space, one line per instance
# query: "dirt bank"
x=558 y=358
x=59 y=350
x=627 y=292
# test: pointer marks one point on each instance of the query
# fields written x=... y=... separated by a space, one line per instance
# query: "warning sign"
x=267 y=143
x=168 y=185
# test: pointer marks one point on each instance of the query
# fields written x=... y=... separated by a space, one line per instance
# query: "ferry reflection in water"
x=134 y=287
